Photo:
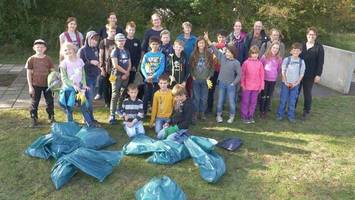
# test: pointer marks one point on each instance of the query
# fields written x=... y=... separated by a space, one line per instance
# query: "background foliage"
x=22 y=21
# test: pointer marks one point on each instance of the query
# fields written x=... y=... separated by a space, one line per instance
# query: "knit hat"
x=39 y=41
x=119 y=36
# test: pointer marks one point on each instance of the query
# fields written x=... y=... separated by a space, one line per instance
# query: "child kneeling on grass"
x=182 y=115
x=132 y=110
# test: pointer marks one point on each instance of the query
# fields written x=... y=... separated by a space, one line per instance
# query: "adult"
x=188 y=38
x=71 y=35
x=154 y=31
x=275 y=36
x=111 y=22
x=256 y=37
x=237 y=38
x=313 y=56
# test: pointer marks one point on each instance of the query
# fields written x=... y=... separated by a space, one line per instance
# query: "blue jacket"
x=153 y=64
x=87 y=53
x=189 y=44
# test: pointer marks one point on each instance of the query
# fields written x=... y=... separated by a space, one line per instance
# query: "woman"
x=154 y=31
x=111 y=22
x=313 y=56
x=237 y=38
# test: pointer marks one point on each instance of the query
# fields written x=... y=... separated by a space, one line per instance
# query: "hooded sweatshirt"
x=87 y=53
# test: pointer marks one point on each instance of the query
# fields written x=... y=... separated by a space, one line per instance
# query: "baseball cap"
x=40 y=41
x=120 y=36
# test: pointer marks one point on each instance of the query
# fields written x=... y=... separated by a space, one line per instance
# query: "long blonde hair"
x=268 y=53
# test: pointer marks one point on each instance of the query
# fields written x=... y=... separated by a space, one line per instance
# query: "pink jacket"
x=252 y=77
x=272 y=67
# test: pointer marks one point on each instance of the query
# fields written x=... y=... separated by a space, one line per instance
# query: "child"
x=201 y=71
x=162 y=104
x=74 y=84
x=38 y=67
x=106 y=47
x=71 y=35
x=272 y=64
x=182 y=115
x=177 y=67
x=293 y=68
x=132 y=109
x=228 y=79
x=166 y=48
x=121 y=67
x=153 y=64
x=133 y=45
x=275 y=36
x=89 y=53
x=220 y=45
x=252 y=82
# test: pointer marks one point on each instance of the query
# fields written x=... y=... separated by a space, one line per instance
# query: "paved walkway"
x=16 y=95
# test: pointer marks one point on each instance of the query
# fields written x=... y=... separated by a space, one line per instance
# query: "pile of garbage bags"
x=200 y=149
x=76 y=148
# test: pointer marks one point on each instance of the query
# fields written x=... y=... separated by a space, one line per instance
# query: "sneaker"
x=279 y=118
x=97 y=97
x=119 y=113
x=203 y=117
x=246 y=121
x=292 y=120
x=51 y=119
x=231 y=119
x=33 y=123
x=107 y=105
x=219 y=119
x=305 y=115
x=112 y=120
x=252 y=121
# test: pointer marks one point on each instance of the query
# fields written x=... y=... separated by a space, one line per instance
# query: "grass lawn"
x=278 y=160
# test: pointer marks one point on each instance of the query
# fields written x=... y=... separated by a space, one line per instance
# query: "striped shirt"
x=133 y=109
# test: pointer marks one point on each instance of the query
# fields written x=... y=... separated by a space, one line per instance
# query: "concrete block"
x=338 y=69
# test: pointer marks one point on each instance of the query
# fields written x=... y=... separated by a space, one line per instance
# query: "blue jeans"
x=200 y=95
x=135 y=129
x=287 y=96
x=91 y=83
x=159 y=122
x=224 y=88
x=149 y=90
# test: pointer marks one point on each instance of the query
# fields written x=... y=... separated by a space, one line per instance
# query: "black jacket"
x=181 y=69
x=314 y=60
x=248 y=40
x=183 y=117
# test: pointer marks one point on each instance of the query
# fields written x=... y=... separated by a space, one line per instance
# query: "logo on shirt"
x=135 y=44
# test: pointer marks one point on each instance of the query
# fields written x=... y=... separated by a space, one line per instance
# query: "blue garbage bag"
x=65 y=128
x=62 y=172
x=210 y=164
x=206 y=144
x=140 y=144
x=95 y=138
x=163 y=188
x=64 y=144
x=230 y=144
x=171 y=152
x=98 y=164
x=40 y=148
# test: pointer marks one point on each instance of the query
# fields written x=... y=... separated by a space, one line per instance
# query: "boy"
x=182 y=115
x=177 y=66
x=38 y=67
x=293 y=68
x=132 y=109
x=105 y=48
x=153 y=64
x=162 y=107
x=121 y=63
x=166 y=48
x=133 y=45
x=89 y=53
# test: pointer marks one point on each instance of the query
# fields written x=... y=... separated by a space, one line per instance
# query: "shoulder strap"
x=288 y=62
x=66 y=34
x=78 y=40
x=299 y=68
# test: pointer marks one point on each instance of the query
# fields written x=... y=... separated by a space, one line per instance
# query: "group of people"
x=179 y=77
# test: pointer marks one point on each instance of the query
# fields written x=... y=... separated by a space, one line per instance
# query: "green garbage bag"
x=171 y=152
x=95 y=138
x=98 y=164
x=54 y=81
x=210 y=164
x=62 y=172
x=140 y=144
x=40 y=148
x=206 y=144
x=163 y=188
x=65 y=128
x=64 y=144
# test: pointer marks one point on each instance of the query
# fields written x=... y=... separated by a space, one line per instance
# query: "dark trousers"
x=36 y=97
x=265 y=96
x=105 y=88
x=307 y=85
x=211 y=92
x=149 y=90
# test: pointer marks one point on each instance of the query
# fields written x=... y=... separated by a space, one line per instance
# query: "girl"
x=71 y=35
x=272 y=61
x=201 y=71
x=228 y=78
x=111 y=22
x=275 y=36
x=74 y=84
x=252 y=82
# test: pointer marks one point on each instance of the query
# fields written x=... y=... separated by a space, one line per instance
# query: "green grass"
x=344 y=41
x=278 y=160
